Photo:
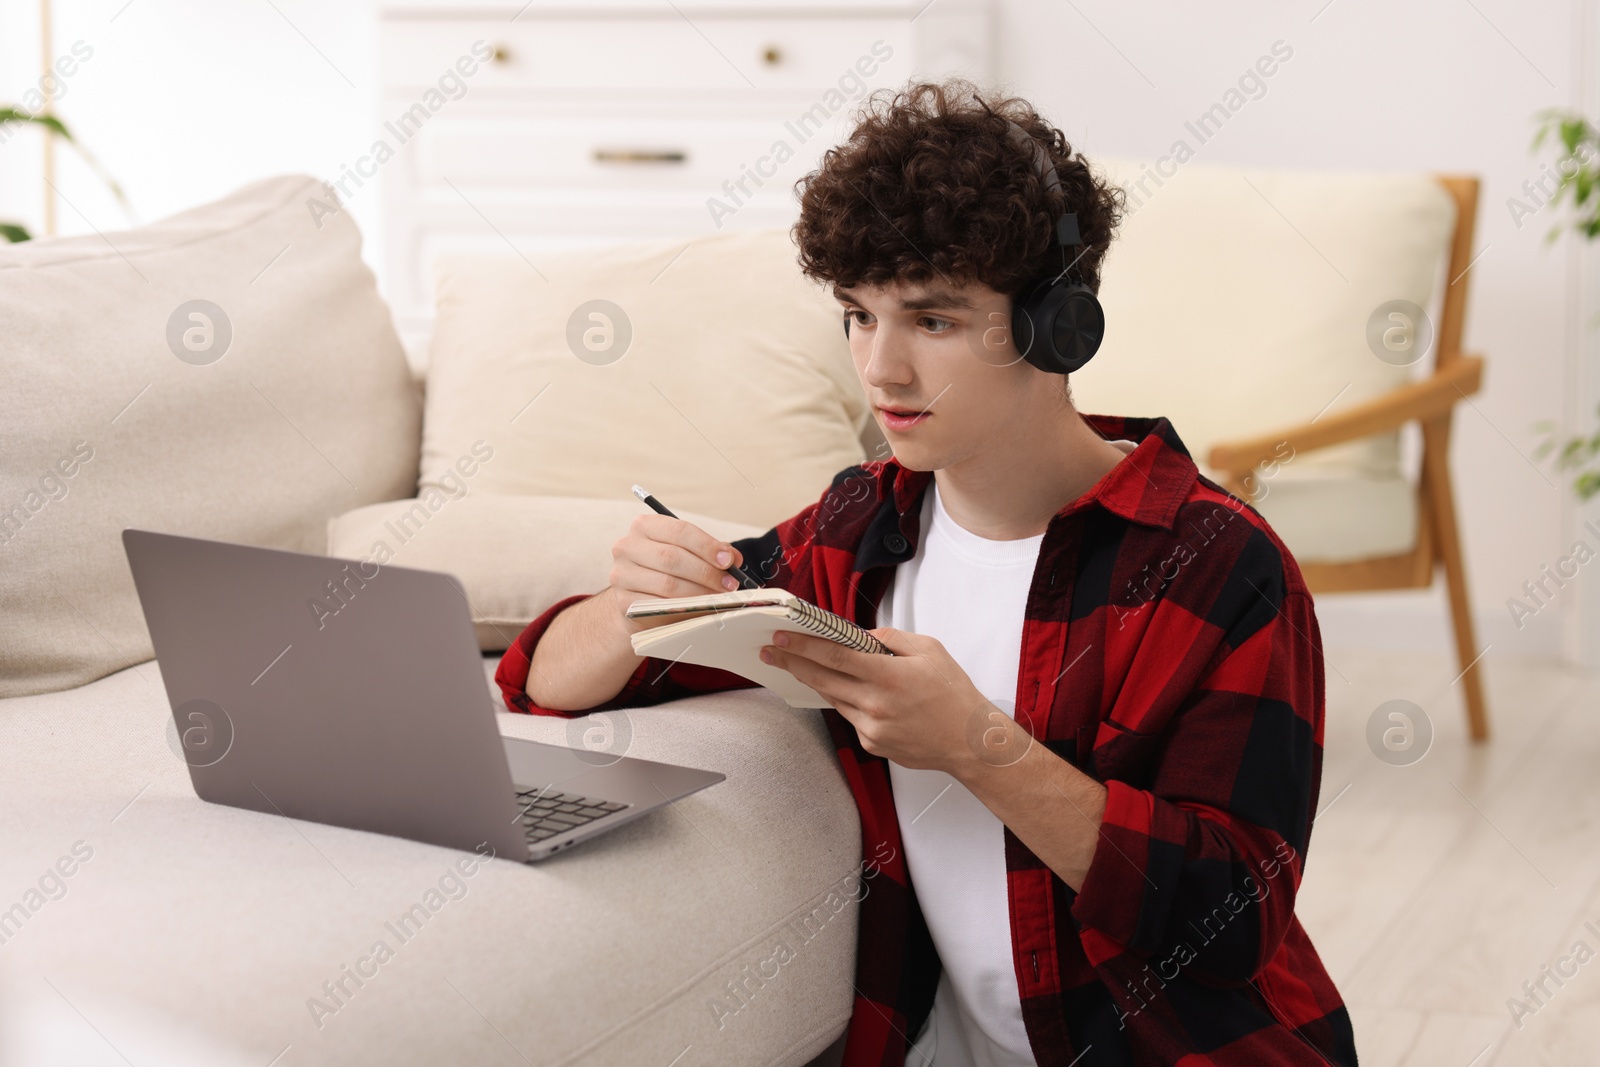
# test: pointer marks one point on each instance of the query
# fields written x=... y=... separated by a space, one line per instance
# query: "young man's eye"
x=858 y=317
x=937 y=325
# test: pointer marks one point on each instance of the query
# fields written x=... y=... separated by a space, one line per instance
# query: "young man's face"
x=946 y=351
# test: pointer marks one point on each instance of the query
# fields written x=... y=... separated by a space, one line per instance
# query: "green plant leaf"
x=1572 y=133
x=14 y=233
x=11 y=114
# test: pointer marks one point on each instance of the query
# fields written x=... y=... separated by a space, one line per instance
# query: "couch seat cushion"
x=210 y=930
x=514 y=555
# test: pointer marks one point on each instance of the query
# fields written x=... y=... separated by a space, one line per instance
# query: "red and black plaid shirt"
x=1171 y=651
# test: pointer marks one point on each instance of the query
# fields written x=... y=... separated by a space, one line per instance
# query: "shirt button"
x=896 y=543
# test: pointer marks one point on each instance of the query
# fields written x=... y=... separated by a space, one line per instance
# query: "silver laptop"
x=353 y=694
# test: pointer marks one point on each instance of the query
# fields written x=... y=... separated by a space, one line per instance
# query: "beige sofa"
x=232 y=373
x=138 y=920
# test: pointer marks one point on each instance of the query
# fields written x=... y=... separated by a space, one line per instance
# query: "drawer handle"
x=500 y=54
x=634 y=156
x=771 y=56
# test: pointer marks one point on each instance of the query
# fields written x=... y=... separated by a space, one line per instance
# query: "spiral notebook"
x=728 y=630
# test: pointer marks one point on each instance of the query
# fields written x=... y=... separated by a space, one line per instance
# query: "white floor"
x=1434 y=891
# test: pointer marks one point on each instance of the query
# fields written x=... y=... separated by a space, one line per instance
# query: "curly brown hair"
x=932 y=183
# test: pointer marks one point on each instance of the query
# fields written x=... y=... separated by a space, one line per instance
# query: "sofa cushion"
x=229 y=372
x=1237 y=302
x=515 y=556
x=709 y=371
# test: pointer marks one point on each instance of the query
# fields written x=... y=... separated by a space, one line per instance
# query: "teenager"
x=1087 y=776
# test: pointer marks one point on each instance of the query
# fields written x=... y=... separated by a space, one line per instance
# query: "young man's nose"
x=889 y=361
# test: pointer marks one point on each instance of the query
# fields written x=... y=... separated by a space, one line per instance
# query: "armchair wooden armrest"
x=1458 y=377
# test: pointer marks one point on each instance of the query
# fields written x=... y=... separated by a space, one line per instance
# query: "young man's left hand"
x=916 y=707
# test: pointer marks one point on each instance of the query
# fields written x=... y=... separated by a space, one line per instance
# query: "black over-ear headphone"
x=1056 y=321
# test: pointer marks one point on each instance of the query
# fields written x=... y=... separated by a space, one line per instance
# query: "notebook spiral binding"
x=827 y=624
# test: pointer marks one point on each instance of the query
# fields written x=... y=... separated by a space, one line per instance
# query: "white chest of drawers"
x=527 y=129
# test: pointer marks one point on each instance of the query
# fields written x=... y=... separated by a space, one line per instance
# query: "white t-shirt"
x=970 y=593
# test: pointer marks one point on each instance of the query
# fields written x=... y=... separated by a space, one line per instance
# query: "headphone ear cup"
x=1027 y=324
x=847 y=324
x=1058 y=325
x=1078 y=328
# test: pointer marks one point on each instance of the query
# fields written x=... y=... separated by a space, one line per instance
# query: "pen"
x=745 y=581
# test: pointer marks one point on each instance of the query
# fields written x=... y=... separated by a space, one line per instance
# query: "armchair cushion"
x=1237 y=302
x=1341 y=519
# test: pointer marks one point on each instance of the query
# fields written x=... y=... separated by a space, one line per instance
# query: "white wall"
x=185 y=100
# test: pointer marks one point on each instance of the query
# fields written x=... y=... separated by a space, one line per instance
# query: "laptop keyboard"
x=546 y=814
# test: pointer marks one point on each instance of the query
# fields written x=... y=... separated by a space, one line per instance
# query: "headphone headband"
x=1057 y=322
x=1066 y=229
x=1041 y=159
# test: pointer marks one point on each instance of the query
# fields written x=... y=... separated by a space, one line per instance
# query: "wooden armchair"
x=1430 y=402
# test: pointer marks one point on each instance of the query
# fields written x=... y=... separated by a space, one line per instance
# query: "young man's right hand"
x=662 y=557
